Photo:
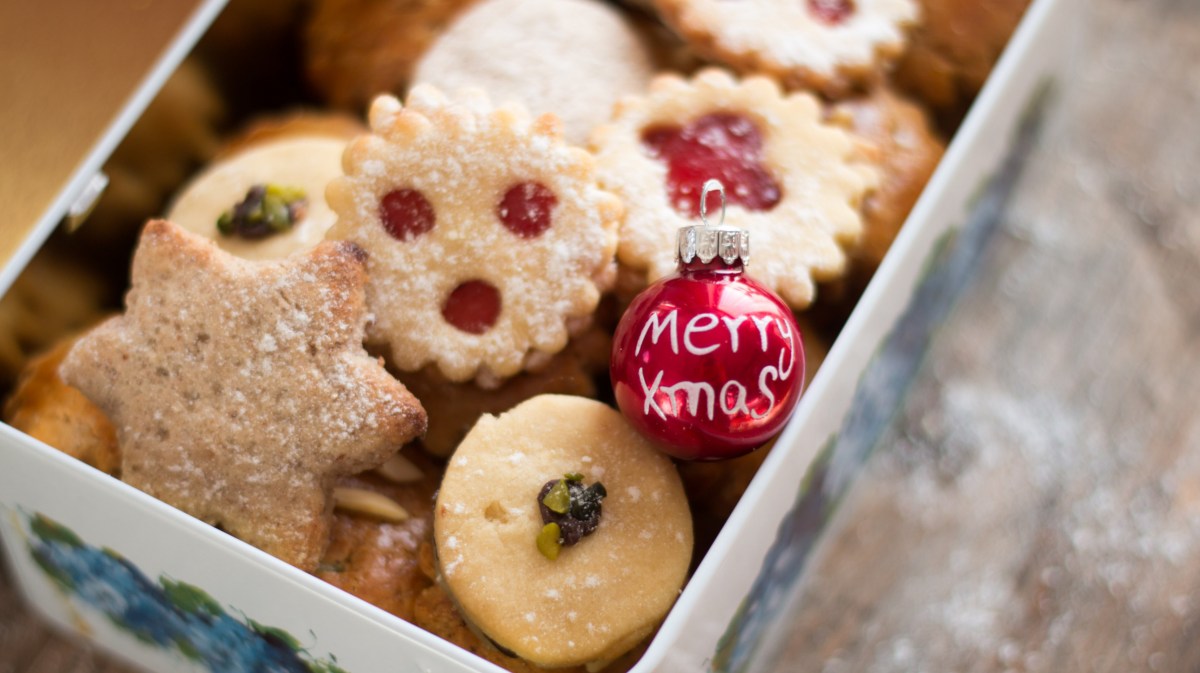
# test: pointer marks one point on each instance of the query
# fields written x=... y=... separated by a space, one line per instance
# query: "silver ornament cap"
x=706 y=242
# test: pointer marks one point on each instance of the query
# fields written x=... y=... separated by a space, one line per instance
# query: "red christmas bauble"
x=708 y=363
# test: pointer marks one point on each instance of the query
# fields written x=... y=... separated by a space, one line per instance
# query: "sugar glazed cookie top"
x=824 y=45
x=488 y=236
x=240 y=390
x=599 y=597
x=794 y=181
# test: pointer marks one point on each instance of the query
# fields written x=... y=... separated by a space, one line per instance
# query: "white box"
x=182 y=586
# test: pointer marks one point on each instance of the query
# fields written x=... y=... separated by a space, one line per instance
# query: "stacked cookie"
x=338 y=318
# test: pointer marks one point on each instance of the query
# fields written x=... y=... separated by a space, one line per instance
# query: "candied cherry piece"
x=406 y=213
x=525 y=209
x=724 y=146
x=473 y=306
x=831 y=12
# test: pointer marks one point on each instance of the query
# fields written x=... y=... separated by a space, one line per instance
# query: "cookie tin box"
x=167 y=592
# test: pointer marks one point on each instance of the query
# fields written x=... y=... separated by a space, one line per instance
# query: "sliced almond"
x=369 y=503
x=399 y=470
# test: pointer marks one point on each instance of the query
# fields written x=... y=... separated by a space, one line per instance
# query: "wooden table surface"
x=1036 y=502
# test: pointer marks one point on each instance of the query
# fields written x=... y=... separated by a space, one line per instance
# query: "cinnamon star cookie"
x=240 y=391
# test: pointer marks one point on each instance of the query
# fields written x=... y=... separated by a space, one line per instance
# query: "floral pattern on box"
x=168 y=614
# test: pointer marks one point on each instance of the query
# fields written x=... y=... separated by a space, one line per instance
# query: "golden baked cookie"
x=793 y=180
x=53 y=297
x=379 y=560
x=240 y=390
x=296 y=123
x=453 y=408
x=830 y=46
x=355 y=50
x=597 y=598
x=44 y=407
x=953 y=50
x=231 y=201
x=903 y=144
x=489 y=241
x=574 y=58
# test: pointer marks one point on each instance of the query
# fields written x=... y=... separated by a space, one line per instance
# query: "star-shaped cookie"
x=240 y=390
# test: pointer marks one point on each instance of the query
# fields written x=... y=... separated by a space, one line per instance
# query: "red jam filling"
x=724 y=146
x=406 y=213
x=831 y=12
x=525 y=209
x=473 y=306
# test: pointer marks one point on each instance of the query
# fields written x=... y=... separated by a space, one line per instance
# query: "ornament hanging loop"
x=707 y=241
x=710 y=185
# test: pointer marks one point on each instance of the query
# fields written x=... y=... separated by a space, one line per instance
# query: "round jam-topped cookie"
x=825 y=45
x=794 y=181
x=267 y=200
x=489 y=240
x=562 y=533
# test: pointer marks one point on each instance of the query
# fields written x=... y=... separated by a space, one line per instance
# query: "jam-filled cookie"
x=489 y=240
x=561 y=533
x=570 y=57
x=793 y=180
x=831 y=46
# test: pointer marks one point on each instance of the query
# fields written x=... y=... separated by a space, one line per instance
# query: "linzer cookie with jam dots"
x=794 y=181
x=240 y=391
x=489 y=240
x=830 y=46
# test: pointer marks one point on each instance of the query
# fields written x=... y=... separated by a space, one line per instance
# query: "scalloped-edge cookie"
x=794 y=181
x=831 y=46
x=489 y=239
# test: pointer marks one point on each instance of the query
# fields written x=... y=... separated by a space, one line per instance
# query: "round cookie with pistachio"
x=266 y=201
x=561 y=533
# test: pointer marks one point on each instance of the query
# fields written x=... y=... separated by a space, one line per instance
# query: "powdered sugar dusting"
x=452 y=164
x=820 y=178
x=214 y=351
x=787 y=35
